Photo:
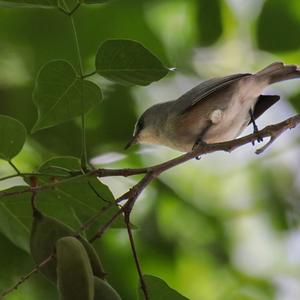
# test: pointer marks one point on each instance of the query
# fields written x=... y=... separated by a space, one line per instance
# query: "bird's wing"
x=204 y=89
x=263 y=103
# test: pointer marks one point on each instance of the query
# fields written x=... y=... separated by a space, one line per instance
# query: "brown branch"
x=135 y=255
x=272 y=131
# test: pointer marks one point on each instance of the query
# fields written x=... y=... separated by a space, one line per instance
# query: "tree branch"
x=271 y=131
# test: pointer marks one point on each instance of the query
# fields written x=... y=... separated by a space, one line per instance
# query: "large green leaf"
x=73 y=202
x=60 y=95
x=278 y=26
x=128 y=62
x=12 y=226
x=159 y=290
x=12 y=137
x=29 y=3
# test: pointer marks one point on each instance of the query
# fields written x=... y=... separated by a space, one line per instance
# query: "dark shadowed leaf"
x=73 y=202
x=278 y=27
x=159 y=290
x=210 y=21
x=128 y=62
x=60 y=95
x=29 y=3
x=12 y=137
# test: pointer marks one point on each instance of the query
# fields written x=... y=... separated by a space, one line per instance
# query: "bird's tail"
x=278 y=71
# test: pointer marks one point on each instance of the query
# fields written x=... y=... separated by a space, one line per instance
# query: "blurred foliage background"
x=224 y=227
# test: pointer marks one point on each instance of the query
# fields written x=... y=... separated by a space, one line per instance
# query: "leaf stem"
x=34 y=174
x=77 y=46
x=14 y=167
x=89 y=74
x=135 y=255
x=84 y=160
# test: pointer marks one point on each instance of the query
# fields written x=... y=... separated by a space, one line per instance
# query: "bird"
x=216 y=110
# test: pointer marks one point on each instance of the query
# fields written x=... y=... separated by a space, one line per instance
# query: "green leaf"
x=73 y=202
x=60 y=165
x=159 y=290
x=128 y=62
x=278 y=26
x=12 y=137
x=89 y=194
x=210 y=21
x=58 y=94
x=13 y=227
x=295 y=101
x=29 y=3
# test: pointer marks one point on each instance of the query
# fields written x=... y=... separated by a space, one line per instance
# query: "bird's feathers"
x=206 y=88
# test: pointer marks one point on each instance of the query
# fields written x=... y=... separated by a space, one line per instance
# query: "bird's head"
x=146 y=130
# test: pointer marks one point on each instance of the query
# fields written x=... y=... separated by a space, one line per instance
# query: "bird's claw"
x=198 y=143
x=259 y=139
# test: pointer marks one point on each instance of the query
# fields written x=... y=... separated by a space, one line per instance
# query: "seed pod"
x=104 y=291
x=94 y=258
x=75 y=279
x=44 y=234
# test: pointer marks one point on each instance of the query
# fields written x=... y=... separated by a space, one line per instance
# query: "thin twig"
x=65 y=11
x=84 y=160
x=33 y=174
x=270 y=131
x=27 y=276
x=135 y=255
x=104 y=227
x=14 y=167
x=89 y=74
x=86 y=225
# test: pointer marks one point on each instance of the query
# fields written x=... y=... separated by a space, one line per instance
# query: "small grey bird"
x=216 y=110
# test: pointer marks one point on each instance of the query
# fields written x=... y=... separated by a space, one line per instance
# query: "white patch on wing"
x=216 y=116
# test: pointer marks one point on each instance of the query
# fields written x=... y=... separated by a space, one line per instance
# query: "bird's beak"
x=132 y=141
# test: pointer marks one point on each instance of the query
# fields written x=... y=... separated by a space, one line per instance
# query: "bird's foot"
x=199 y=143
x=259 y=139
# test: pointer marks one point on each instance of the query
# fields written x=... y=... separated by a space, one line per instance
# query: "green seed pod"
x=75 y=279
x=94 y=258
x=104 y=291
x=44 y=234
